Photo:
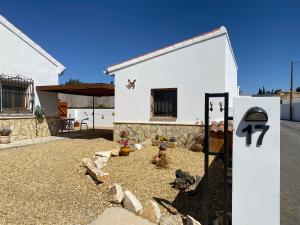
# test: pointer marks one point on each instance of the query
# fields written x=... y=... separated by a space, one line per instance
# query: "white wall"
x=256 y=170
x=285 y=111
x=103 y=117
x=231 y=75
x=17 y=57
x=193 y=70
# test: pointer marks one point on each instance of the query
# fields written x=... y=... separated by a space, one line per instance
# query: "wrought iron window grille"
x=16 y=95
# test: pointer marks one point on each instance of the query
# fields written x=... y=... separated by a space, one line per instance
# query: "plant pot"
x=4 y=139
x=155 y=142
x=125 y=151
x=165 y=143
x=172 y=144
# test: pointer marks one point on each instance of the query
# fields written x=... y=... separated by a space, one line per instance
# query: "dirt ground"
x=45 y=184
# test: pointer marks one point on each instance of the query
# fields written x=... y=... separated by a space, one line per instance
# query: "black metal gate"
x=224 y=155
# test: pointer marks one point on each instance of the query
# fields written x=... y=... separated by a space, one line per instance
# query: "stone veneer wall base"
x=28 y=128
x=186 y=135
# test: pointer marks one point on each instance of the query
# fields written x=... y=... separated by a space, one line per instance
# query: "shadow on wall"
x=49 y=101
x=192 y=202
x=89 y=134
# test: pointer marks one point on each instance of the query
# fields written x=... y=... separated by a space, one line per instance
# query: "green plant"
x=172 y=139
x=156 y=137
x=124 y=134
x=298 y=89
x=5 y=132
x=39 y=112
x=163 y=138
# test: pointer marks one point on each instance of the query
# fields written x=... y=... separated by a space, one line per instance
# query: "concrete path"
x=290 y=173
x=119 y=216
x=22 y=143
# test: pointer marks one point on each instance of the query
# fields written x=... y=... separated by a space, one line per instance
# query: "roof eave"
x=215 y=33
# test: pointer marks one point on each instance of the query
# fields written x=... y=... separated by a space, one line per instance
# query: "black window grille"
x=16 y=95
x=164 y=102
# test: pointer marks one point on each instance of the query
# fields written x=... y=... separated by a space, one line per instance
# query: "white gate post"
x=256 y=168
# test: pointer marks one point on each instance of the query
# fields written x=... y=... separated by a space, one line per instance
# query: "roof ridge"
x=111 y=69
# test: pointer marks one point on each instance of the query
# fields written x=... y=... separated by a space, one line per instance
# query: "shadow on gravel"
x=192 y=202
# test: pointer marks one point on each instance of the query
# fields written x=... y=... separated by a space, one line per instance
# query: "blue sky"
x=87 y=36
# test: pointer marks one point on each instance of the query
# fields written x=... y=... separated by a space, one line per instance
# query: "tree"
x=73 y=81
x=277 y=91
x=298 y=89
x=263 y=91
x=259 y=91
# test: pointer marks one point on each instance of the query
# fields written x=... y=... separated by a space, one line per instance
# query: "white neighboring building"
x=23 y=66
x=171 y=84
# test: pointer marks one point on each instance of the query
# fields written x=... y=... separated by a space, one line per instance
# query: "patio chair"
x=84 y=123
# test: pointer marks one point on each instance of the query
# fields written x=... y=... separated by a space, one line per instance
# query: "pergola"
x=89 y=89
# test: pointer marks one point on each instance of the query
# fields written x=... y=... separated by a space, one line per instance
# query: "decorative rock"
x=96 y=173
x=115 y=194
x=197 y=147
x=99 y=162
x=191 y=221
x=151 y=212
x=115 y=152
x=195 y=185
x=138 y=146
x=167 y=219
x=131 y=203
x=101 y=158
x=105 y=154
x=86 y=161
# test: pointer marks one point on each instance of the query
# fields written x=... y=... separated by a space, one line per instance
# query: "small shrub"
x=5 y=132
x=163 y=138
x=39 y=112
x=124 y=134
x=172 y=139
x=124 y=142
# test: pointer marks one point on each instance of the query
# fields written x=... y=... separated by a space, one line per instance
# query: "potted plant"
x=5 y=135
x=172 y=142
x=125 y=148
x=76 y=125
x=39 y=114
x=163 y=139
x=156 y=140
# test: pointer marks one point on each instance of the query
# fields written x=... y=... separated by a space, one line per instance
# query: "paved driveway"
x=290 y=173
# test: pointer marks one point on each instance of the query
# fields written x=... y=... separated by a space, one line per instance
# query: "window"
x=164 y=102
x=16 y=95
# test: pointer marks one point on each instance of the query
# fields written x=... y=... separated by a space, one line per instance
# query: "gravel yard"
x=45 y=184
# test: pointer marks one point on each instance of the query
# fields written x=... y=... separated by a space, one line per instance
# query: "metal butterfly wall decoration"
x=131 y=84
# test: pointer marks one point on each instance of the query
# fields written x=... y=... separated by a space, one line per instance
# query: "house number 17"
x=249 y=131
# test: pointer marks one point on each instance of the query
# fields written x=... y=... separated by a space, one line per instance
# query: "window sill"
x=163 y=119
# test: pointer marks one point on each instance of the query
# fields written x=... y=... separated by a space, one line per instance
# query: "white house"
x=170 y=84
x=23 y=66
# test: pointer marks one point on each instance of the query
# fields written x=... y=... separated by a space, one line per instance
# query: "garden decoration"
x=172 y=142
x=5 y=135
x=161 y=160
x=131 y=84
x=125 y=148
x=183 y=180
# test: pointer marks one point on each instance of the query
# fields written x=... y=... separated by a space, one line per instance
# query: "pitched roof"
x=31 y=43
x=199 y=38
